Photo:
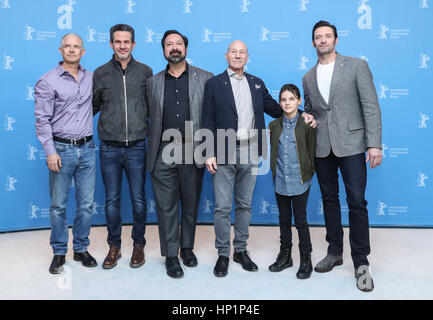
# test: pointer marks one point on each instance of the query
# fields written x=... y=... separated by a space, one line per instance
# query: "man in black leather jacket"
x=119 y=88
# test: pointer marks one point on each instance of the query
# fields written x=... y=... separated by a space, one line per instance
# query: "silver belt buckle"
x=74 y=142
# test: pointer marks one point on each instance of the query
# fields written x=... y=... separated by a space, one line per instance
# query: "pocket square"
x=257 y=86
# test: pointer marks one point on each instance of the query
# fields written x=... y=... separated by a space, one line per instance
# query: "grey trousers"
x=171 y=183
x=228 y=176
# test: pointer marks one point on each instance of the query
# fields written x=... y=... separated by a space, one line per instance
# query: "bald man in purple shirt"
x=64 y=126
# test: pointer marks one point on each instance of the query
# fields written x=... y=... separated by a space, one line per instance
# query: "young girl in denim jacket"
x=293 y=147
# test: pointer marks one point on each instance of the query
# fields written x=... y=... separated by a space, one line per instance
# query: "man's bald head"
x=238 y=45
x=237 y=56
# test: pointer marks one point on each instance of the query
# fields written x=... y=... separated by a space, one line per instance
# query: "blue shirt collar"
x=290 y=121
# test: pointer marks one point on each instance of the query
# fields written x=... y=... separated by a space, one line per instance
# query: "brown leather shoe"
x=111 y=258
x=137 y=259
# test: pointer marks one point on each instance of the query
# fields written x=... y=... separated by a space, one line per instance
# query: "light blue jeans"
x=78 y=162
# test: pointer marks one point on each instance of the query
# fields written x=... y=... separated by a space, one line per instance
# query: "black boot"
x=306 y=266
x=284 y=260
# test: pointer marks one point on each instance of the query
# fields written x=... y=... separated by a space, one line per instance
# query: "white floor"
x=401 y=263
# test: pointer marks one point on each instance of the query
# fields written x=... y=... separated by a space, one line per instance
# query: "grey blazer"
x=155 y=99
x=351 y=122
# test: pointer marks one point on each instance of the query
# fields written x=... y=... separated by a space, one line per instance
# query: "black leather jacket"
x=121 y=98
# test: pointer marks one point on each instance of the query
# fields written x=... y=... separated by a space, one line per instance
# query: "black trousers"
x=173 y=183
x=354 y=172
x=299 y=205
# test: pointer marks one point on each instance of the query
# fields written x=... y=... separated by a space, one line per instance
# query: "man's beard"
x=322 y=53
x=328 y=50
x=172 y=58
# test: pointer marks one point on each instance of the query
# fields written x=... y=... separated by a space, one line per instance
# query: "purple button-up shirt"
x=63 y=107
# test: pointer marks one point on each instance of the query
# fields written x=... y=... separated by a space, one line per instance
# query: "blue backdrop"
x=392 y=35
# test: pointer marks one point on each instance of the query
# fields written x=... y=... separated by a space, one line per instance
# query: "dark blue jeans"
x=354 y=172
x=113 y=161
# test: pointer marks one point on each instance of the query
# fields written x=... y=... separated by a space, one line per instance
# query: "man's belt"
x=182 y=140
x=75 y=142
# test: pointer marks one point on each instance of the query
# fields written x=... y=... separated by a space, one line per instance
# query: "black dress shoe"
x=245 y=261
x=56 y=264
x=221 y=266
x=364 y=280
x=327 y=263
x=189 y=258
x=86 y=259
x=173 y=267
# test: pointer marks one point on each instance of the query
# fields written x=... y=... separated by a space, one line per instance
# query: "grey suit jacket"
x=351 y=121
x=155 y=99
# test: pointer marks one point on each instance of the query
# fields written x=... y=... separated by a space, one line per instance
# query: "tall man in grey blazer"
x=175 y=98
x=340 y=93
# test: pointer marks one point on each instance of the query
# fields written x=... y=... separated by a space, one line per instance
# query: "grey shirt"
x=244 y=104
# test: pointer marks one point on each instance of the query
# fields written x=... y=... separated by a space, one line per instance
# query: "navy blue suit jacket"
x=219 y=108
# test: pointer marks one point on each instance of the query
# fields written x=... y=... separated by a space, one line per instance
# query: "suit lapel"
x=252 y=84
x=225 y=83
x=194 y=111
x=336 y=75
x=160 y=85
x=192 y=82
x=316 y=85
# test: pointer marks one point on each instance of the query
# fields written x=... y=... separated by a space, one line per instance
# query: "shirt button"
x=177 y=90
x=177 y=102
x=177 y=115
